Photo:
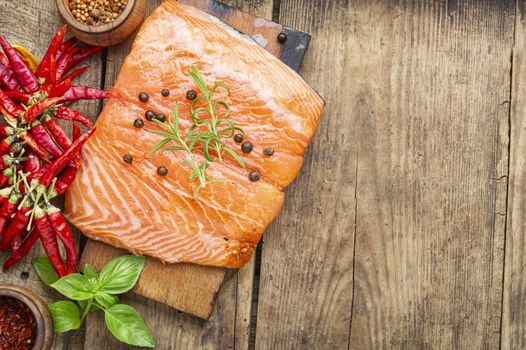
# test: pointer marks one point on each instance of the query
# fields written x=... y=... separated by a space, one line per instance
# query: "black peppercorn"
x=165 y=92
x=143 y=97
x=149 y=115
x=127 y=158
x=162 y=170
x=254 y=176
x=282 y=37
x=191 y=95
x=268 y=151
x=160 y=117
x=138 y=123
x=247 y=147
x=238 y=138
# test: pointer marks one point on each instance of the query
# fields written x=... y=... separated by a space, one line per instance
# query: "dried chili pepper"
x=49 y=240
x=65 y=179
x=8 y=77
x=8 y=107
x=61 y=228
x=36 y=109
x=73 y=115
x=32 y=166
x=56 y=42
x=66 y=45
x=24 y=75
x=17 y=226
x=4 y=59
x=63 y=61
x=26 y=246
x=18 y=96
x=31 y=142
x=58 y=133
x=62 y=87
x=44 y=139
x=5 y=145
x=84 y=93
x=8 y=209
x=67 y=156
x=77 y=57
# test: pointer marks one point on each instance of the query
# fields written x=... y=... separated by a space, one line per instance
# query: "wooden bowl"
x=106 y=34
x=45 y=332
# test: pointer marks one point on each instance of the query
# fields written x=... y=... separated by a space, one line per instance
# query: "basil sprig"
x=94 y=291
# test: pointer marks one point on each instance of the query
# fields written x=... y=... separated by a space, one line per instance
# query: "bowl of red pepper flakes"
x=25 y=322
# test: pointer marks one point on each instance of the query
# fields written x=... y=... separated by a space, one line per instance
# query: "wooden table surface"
x=406 y=226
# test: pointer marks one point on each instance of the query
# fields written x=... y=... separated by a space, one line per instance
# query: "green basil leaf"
x=65 y=316
x=74 y=286
x=90 y=272
x=121 y=274
x=106 y=300
x=45 y=270
x=125 y=323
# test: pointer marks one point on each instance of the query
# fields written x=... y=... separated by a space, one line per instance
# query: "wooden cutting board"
x=187 y=287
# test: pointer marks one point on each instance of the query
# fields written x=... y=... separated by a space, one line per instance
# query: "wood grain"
x=229 y=324
x=32 y=24
x=410 y=158
x=514 y=305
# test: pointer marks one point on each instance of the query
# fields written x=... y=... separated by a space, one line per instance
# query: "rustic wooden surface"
x=198 y=286
x=405 y=228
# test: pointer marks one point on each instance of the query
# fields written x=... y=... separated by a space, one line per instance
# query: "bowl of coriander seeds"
x=102 y=22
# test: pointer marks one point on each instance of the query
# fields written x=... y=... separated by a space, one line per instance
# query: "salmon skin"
x=130 y=206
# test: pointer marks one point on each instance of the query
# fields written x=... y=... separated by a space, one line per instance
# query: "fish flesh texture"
x=129 y=205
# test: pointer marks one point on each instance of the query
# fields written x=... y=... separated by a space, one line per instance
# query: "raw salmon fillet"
x=130 y=206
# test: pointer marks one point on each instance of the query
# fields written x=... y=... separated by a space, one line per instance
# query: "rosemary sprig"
x=206 y=133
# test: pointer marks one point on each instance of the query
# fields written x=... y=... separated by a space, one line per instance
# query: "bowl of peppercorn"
x=25 y=322
x=102 y=22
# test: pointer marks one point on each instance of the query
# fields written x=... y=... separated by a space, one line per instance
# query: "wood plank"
x=514 y=306
x=409 y=158
x=229 y=325
x=32 y=24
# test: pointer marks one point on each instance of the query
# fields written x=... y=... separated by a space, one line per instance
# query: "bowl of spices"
x=25 y=322
x=102 y=22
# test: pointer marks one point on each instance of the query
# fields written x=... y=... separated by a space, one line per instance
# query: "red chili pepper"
x=5 y=131
x=78 y=57
x=49 y=240
x=58 y=133
x=8 y=208
x=36 y=109
x=65 y=46
x=73 y=115
x=24 y=75
x=56 y=42
x=62 y=87
x=76 y=131
x=63 y=61
x=3 y=59
x=32 y=165
x=63 y=232
x=5 y=145
x=7 y=106
x=18 y=224
x=18 y=96
x=84 y=93
x=24 y=249
x=67 y=156
x=8 y=77
x=65 y=179
x=31 y=142
x=44 y=139
x=15 y=245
